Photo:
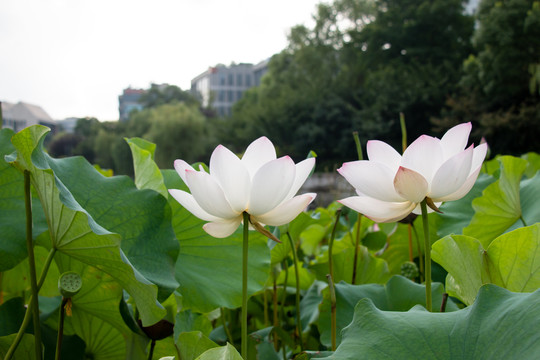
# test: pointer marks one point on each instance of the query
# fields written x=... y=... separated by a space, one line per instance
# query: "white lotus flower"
x=258 y=183
x=391 y=186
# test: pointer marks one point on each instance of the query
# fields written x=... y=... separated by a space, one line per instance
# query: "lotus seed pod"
x=69 y=284
x=409 y=270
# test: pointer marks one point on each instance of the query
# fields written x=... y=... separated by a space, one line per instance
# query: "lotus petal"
x=222 y=228
x=209 y=194
x=455 y=140
x=382 y=152
x=271 y=184
x=188 y=202
x=181 y=166
x=373 y=178
x=258 y=153
x=286 y=211
x=377 y=210
x=410 y=185
x=232 y=176
x=303 y=169
x=452 y=174
x=424 y=156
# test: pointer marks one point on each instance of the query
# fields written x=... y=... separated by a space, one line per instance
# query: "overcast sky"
x=74 y=57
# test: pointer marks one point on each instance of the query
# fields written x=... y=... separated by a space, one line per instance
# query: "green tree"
x=165 y=94
x=498 y=91
x=179 y=131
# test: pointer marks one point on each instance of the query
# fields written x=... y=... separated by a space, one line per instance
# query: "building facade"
x=221 y=86
x=129 y=101
x=20 y=115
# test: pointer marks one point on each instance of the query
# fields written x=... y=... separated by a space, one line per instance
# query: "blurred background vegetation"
x=362 y=63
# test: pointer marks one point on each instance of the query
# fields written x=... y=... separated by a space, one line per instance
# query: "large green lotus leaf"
x=533 y=164
x=11 y=315
x=100 y=294
x=74 y=232
x=305 y=277
x=398 y=294
x=141 y=217
x=12 y=209
x=16 y=282
x=25 y=350
x=514 y=259
x=164 y=348
x=369 y=269
x=529 y=194
x=456 y=215
x=103 y=340
x=192 y=344
x=511 y=261
x=188 y=321
x=208 y=269
x=147 y=173
x=499 y=207
x=227 y=352
x=500 y=325
x=309 y=305
x=463 y=257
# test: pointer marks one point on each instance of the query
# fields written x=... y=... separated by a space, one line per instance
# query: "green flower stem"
x=151 y=352
x=356 y=248
x=32 y=263
x=522 y=220
x=275 y=319
x=403 y=131
x=427 y=253
x=27 y=317
x=60 y=328
x=244 y=286
x=331 y=244
x=333 y=316
x=225 y=327
x=420 y=258
x=409 y=232
x=358 y=145
x=297 y=276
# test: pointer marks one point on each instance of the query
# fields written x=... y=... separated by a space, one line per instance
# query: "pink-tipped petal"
x=258 y=153
x=479 y=155
x=410 y=185
x=287 y=211
x=209 y=194
x=232 y=176
x=424 y=156
x=455 y=140
x=271 y=184
x=452 y=174
x=382 y=152
x=188 y=202
x=372 y=179
x=303 y=169
x=463 y=190
x=181 y=166
x=379 y=211
x=222 y=229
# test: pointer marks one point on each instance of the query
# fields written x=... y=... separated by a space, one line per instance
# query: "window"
x=221 y=95
x=239 y=80
x=230 y=96
x=248 y=80
x=231 y=79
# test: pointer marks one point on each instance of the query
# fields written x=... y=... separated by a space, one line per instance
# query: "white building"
x=20 y=115
x=221 y=86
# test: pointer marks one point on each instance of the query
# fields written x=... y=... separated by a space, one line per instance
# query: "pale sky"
x=74 y=57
